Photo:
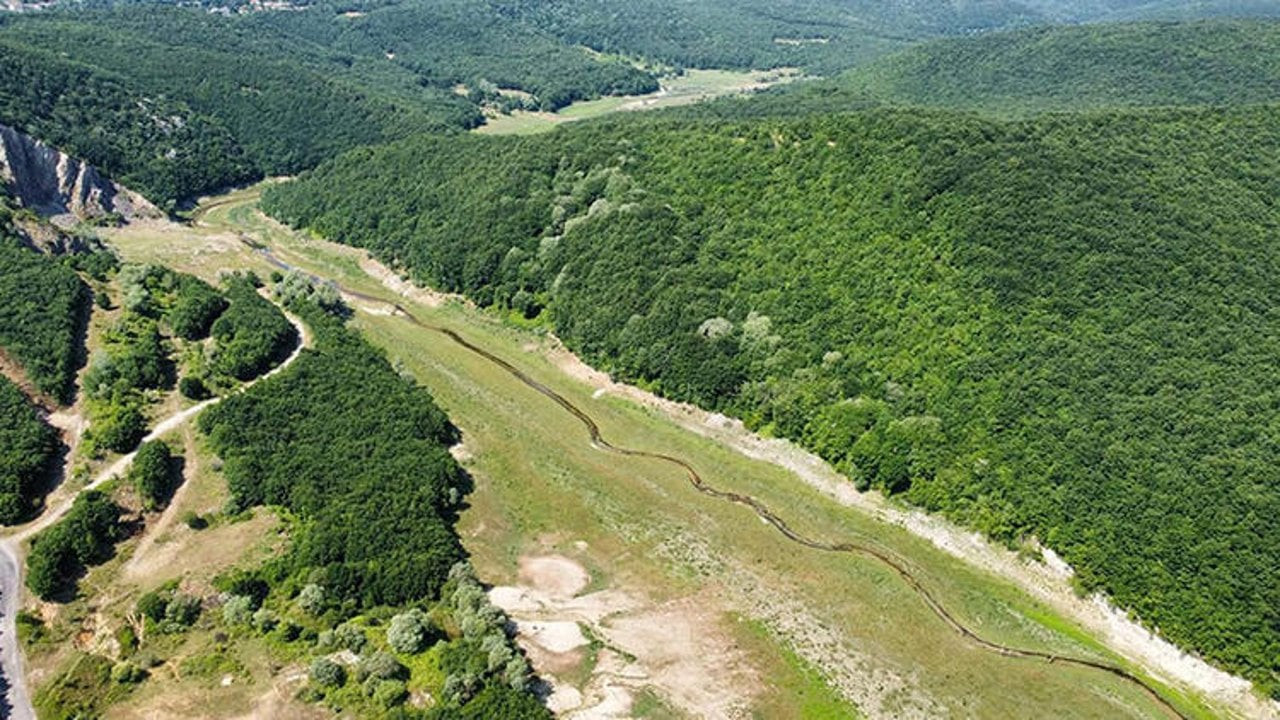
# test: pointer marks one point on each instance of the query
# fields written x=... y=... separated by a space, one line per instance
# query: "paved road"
x=15 y=703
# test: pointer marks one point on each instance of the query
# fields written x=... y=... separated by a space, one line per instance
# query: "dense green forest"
x=158 y=146
x=176 y=101
x=45 y=307
x=1059 y=326
x=27 y=446
x=1090 y=66
x=173 y=102
x=358 y=456
x=449 y=42
x=85 y=537
x=182 y=102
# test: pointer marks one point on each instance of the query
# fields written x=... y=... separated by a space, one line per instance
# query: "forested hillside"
x=173 y=102
x=1090 y=66
x=285 y=106
x=822 y=36
x=1059 y=327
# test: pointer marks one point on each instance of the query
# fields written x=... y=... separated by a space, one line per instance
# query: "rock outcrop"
x=54 y=184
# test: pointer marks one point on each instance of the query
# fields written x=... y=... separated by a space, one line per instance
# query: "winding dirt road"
x=897 y=564
x=16 y=704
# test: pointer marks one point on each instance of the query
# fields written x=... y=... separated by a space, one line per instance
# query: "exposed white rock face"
x=53 y=183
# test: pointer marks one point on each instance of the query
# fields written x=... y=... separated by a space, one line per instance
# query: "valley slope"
x=1051 y=327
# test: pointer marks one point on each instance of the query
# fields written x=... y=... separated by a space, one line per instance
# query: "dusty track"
x=895 y=563
x=15 y=704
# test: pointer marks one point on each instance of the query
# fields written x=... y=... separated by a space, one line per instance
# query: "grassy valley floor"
x=639 y=596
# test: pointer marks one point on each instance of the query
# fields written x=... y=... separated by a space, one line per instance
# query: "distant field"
x=692 y=86
x=641 y=531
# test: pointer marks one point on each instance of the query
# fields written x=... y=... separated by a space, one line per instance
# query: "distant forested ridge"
x=177 y=101
x=824 y=37
x=1089 y=66
x=1061 y=326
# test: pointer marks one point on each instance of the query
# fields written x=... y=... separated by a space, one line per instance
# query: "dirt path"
x=11 y=555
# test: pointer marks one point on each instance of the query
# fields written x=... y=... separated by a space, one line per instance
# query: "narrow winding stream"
x=896 y=564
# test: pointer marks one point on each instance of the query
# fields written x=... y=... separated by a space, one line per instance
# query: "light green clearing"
x=693 y=86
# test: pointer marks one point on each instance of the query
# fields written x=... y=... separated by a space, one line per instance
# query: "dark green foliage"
x=153 y=604
x=176 y=101
x=327 y=673
x=252 y=334
x=360 y=456
x=135 y=357
x=27 y=446
x=152 y=473
x=1061 y=326
x=84 y=537
x=447 y=42
x=1203 y=63
x=44 y=305
x=494 y=702
x=195 y=308
x=119 y=424
x=193 y=388
x=153 y=144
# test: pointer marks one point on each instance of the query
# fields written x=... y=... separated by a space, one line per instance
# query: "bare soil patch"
x=680 y=650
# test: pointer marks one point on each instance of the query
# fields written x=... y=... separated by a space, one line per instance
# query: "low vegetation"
x=167 y=314
x=1051 y=327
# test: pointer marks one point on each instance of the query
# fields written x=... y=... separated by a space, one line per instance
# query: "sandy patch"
x=404 y=288
x=183 y=549
x=555 y=575
x=679 y=649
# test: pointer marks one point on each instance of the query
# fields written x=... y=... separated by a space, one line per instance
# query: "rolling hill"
x=1054 y=327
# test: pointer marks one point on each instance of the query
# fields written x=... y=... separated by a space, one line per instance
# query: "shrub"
x=193 y=388
x=327 y=673
x=350 y=637
x=408 y=632
x=380 y=666
x=389 y=693
x=152 y=473
x=238 y=610
x=181 y=613
x=311 y=599
x=264 y=621
x=152 y=605
x=127 y=673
